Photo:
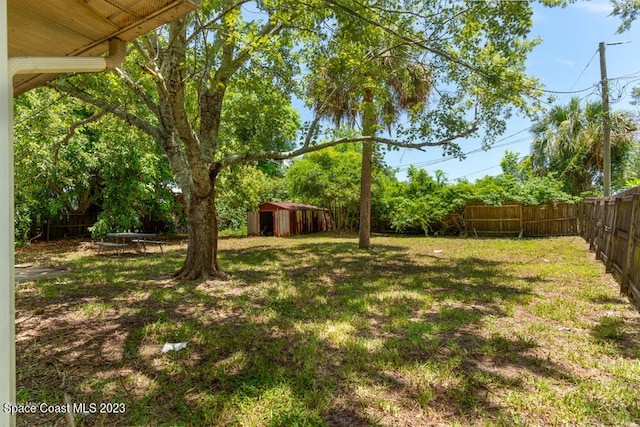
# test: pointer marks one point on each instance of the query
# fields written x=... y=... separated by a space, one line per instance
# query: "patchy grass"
x=311 y=331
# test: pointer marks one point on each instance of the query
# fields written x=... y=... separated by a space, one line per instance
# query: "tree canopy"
x=627 y=10
x=568 y=142
x=71 y=157
x=214 y=88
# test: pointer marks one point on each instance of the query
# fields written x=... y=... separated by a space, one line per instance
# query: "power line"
x=446 y=159
x=485 y=169
x=477 y=150
x=626 y=77
x=582 y=73
x=560 y=92
x=476 y=172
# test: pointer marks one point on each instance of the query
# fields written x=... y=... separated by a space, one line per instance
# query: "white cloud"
x=565 y=62
x=604 y=7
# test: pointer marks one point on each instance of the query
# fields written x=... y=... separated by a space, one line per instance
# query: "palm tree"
x=385 y=84
x=568 y=142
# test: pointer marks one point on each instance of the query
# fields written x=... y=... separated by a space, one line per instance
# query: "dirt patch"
x=26 y=272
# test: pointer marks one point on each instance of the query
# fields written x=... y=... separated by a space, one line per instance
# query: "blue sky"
x=570 y=39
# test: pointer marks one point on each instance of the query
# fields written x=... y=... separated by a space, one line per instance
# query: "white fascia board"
x=68 y=64
x=7 y=279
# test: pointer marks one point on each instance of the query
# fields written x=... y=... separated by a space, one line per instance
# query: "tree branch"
x=282 y=155
x=136 y=89
x=312 y=129
x=209 y=25
x=72 y=132
x=133 y=120
x=420 y=44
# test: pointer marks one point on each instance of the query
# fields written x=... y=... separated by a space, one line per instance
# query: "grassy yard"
x=312 y=331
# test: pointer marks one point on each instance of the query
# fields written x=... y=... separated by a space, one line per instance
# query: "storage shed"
x=283 y=219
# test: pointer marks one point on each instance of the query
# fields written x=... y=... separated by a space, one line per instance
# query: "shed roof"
x=81 y=27
x=292 y=206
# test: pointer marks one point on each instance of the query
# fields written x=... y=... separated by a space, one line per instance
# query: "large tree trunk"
x=365 y=195
x=202 y=250
x=368 y=129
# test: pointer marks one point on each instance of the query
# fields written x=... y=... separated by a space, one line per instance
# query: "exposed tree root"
x=194 y=273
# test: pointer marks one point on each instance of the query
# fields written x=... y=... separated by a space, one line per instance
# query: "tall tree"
x=390 y=80
x=568 y=142
x=377 y=66
x=174 y=87
x=175 y=84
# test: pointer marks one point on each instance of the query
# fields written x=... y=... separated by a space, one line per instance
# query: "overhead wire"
x=476 y=172
x=482 y=149
x=582 y=73
x=484 y=170
x=477 y=150
x=593 y=88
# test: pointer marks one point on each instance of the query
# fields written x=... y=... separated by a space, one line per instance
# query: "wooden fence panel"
x=604 y=250
x=516 y=219
x=620 y=237
x=630 y=283
x=69 y=226
x=491 y=220
x=612 y=228
x=633 y=285
x=585 y=211
x=596 y=230
x=550 y=220
x=588 y=221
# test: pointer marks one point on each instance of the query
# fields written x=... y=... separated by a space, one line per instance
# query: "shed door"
x=282 y=223
x=267 y=223
x=253 y=223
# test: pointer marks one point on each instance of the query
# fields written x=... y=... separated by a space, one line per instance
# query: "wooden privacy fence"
x=65 y=226
x=560 y=219
x=612 y=228
x=72 y=225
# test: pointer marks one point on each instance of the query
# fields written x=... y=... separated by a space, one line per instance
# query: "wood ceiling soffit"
x=81 y=27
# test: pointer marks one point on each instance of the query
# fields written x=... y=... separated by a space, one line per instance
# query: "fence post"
x=466 y=224
x=602 y=230
x=579 y=222
x=593 y=226
x=586 y=220
x=635 y=215
x=521 y=221
x=614 y=227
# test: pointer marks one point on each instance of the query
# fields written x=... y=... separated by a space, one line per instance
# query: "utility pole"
x=606 y=123
x=606 y=119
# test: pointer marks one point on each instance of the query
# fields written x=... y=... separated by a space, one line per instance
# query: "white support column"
x=7 y=285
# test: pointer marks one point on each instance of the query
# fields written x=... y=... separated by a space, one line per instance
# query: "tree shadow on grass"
x=622 y=335
x=313 y=334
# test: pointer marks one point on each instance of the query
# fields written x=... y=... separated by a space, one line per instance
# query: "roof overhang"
x=81 y=27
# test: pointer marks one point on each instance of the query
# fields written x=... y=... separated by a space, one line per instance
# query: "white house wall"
x=7 y=293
